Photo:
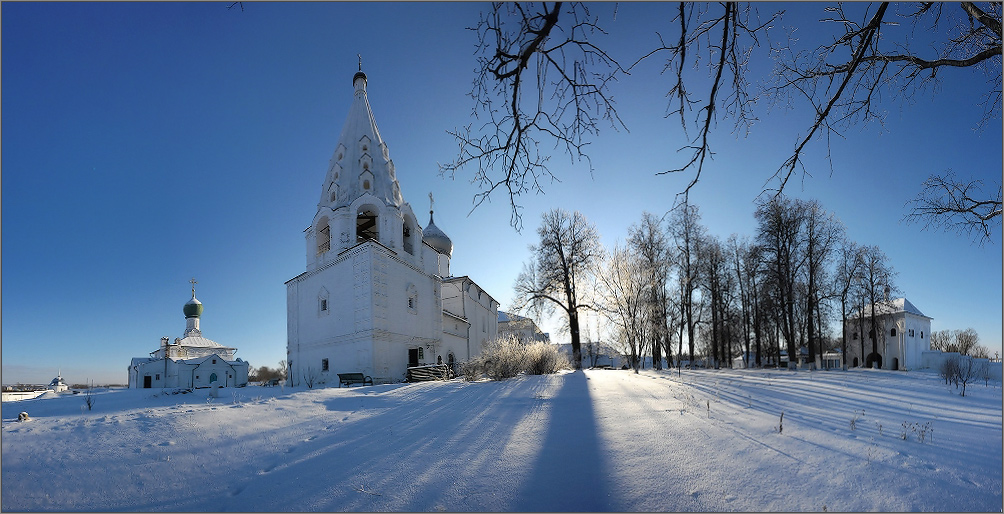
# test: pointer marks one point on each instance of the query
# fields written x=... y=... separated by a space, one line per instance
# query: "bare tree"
x=687 y=232
x=779 y=225
x=556 y=51
x=648 y=241
x=958 y=205
x=822 y=233
x=877 y=281
x=625 y=288
x=548 y=50
x=846 y=276
x=560 y=268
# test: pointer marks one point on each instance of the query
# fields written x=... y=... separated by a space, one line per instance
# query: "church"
x=191 y=361
x=377 y=296
x=904 y=335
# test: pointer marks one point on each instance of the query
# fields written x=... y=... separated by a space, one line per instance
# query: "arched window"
x=366 y=226
x=366 y=185
x=212 y=378
x=893 y=332
x=323 y=236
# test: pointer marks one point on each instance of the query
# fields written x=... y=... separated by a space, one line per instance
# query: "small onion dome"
x=437 y=239
x=193 y=308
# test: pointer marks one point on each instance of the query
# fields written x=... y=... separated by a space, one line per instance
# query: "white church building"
x=904 y=334
x=377 y=296
x=191 y=361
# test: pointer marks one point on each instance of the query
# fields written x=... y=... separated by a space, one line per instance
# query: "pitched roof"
x=893 y=306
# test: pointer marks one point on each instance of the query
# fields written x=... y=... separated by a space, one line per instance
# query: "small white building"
x=377 y=296
x=192 y=361
x=903 y=335
x=522 y=328
x=58 y=385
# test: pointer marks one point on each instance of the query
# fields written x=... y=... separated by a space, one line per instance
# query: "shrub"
x=544 y=359
x=507 y=357
x=504 y=358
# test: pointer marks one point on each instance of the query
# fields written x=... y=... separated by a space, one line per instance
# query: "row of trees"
x=965 y=342
x=672 y=283
x=265 y=373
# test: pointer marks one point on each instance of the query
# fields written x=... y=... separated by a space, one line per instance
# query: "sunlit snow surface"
x=587 y=441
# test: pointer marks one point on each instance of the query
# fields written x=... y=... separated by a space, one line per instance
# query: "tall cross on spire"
x=360 y=56
x=193 y=282
x=431 y=202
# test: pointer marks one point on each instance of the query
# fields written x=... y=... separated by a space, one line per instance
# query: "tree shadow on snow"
x=570 y=473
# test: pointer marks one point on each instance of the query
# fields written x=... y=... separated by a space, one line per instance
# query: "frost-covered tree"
x=560 y=269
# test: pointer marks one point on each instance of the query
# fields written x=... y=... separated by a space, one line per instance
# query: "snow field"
x=603 y=440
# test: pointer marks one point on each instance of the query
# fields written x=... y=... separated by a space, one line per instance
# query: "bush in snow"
x=544 y=359
x=949 y=370
x=507 y=357
x=504 y=358
x=472 y=370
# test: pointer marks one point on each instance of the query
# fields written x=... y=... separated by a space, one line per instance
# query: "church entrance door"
x=412 y=357
x=147 y=382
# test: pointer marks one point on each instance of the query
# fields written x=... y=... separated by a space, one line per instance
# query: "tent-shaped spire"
x=361 y=162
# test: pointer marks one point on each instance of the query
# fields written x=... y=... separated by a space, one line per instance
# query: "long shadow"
x=570 y=473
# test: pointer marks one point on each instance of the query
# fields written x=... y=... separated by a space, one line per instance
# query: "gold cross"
x=193 y=286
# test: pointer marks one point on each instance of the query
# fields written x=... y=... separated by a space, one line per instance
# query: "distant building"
x=904 y=334
x=522 y=328
x=377 y=296
x=595 y=354
x=192 y=361
x=57 y=385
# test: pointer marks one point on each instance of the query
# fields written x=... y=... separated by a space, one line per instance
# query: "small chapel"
x=377 y=296
x=191 y=361
x=904 y=334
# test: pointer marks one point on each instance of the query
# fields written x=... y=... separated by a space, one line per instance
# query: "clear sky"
x=148 y=143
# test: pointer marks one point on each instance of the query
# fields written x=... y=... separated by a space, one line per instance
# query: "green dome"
x=193 y=309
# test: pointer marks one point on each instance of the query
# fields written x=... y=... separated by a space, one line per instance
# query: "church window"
x=323 y=236
x=322 y=301
x=893 y=332
x=855 y=336
x=157 y=376
x=406 y=239
x=421 y=353
x=214 y=361
x=921 y=334
x=366 y=226
x=911 y=332
x=332 y=196
x=213 y=378
x=412 y=292
x=324 y=364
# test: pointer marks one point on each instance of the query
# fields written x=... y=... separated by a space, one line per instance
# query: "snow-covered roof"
x=893 y=306
x=200 y=342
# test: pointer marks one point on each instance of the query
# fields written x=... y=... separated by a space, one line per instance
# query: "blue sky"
x=148 y=143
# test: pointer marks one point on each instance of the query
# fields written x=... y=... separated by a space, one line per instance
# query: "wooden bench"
x=353 y=378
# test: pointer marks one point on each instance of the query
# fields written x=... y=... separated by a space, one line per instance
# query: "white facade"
x=522 y=328
x=189 y=362
x=376 y=296
x=904 y=334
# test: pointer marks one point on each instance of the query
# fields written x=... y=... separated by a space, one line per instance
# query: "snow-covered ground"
x=584 y=441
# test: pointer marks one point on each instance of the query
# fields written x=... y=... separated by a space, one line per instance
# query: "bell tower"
x=360 y=197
